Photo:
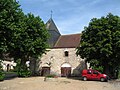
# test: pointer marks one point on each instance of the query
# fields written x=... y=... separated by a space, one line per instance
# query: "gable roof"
x=68 y=41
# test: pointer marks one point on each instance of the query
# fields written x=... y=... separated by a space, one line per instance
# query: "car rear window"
x=95 y=72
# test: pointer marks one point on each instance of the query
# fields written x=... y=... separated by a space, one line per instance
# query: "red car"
x=89 y=74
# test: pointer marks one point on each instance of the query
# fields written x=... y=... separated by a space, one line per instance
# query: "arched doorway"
x=45 y=70
x=65 y=70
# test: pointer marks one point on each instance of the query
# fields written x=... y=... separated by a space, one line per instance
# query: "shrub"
x=23 y=71
x=51 y=76
x=119 y=74
x=2 y=75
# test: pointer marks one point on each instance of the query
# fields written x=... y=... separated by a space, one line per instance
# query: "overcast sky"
x=70 y=16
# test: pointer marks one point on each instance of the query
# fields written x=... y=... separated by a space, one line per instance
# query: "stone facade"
x=55 y=59
x=61 y=58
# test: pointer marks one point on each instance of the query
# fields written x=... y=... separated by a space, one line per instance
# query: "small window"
x=66 y=53
x=95 y=72
x=89 y=72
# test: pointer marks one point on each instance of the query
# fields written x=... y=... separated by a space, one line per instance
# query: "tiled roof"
x=68 y=41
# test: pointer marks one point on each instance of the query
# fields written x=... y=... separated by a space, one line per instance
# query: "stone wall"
x=55 y=58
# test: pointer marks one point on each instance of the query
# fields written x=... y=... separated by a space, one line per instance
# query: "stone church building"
x=61 y=58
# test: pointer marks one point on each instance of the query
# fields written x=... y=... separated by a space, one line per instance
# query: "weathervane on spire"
x=51 y=13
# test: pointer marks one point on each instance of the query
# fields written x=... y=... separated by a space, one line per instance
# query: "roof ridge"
x=72 y=34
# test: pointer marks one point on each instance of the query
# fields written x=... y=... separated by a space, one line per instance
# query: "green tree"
x=21 y=36
x=10 y=16
x=31 y=41
x=2 y=75
x=100 y=43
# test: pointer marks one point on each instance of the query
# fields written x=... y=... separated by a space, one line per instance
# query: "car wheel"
x=85 y=78
x=102 y=79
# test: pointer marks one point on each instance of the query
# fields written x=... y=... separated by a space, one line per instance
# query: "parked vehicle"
x=89 y=74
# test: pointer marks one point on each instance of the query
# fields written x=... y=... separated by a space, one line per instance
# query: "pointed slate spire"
x=54 y=32
x=50 y=25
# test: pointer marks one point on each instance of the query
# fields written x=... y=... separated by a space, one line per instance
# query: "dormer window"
x=66 y=53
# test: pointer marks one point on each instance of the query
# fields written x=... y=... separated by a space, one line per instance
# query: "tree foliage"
x=10 y=15
x=21 y=36
x=100 y=42
x=31 y=41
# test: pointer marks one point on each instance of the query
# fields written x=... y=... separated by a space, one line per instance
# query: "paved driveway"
x=38 y=83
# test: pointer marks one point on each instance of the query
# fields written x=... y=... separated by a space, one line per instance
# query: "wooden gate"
x=45 y=71
x=65 y=71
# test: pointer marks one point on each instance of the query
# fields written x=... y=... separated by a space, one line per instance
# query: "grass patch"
x=51 y=76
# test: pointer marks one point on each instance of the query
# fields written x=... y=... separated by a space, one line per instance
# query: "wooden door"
x=65 y=71
x=45 y=71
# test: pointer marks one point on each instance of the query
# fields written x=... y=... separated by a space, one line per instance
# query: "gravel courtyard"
x=38 y=83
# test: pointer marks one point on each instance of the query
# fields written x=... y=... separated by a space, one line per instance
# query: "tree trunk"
x=23 y=61
x=33 y=66
x=106 y=69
